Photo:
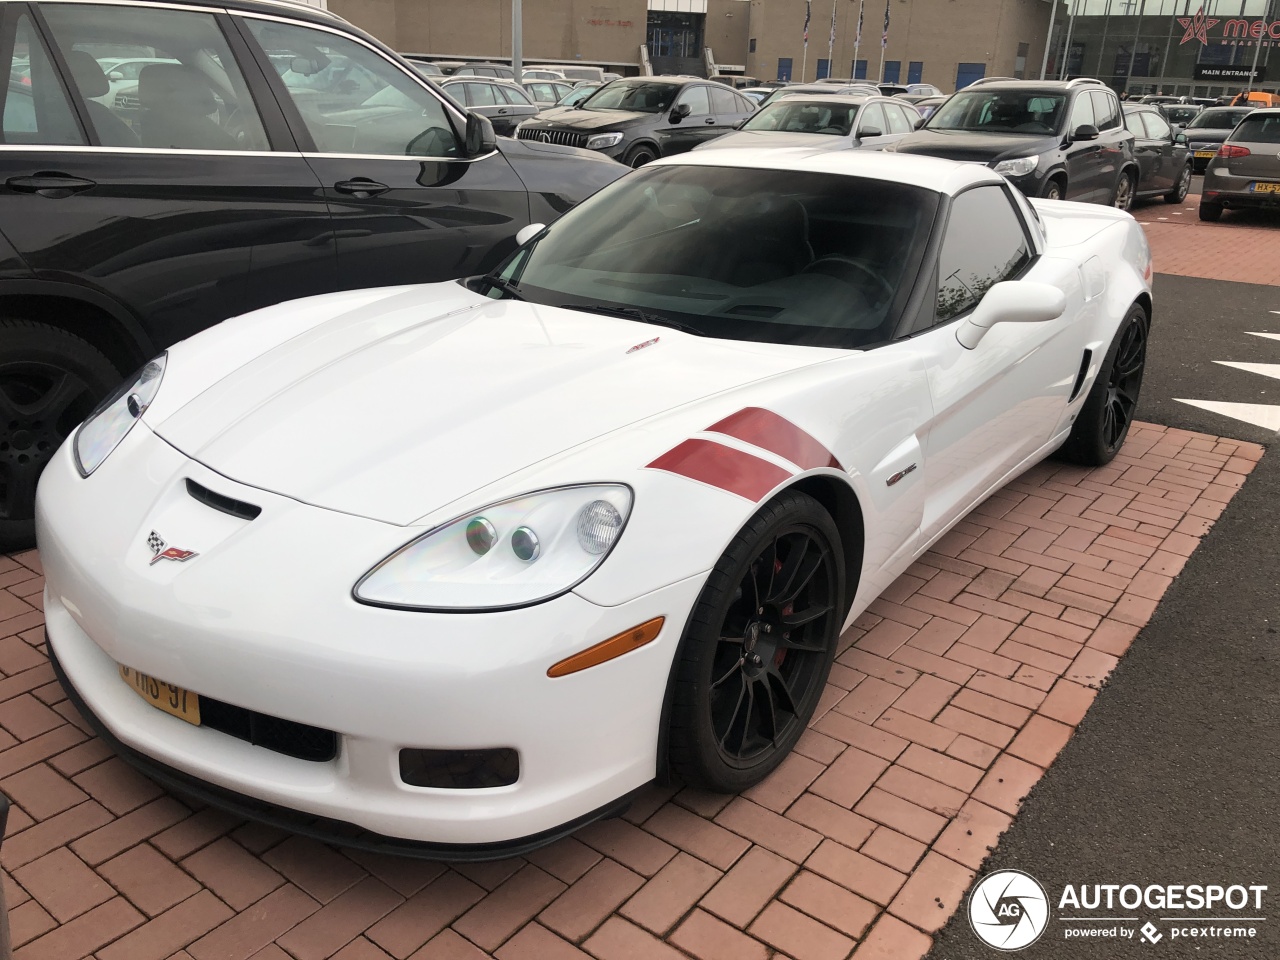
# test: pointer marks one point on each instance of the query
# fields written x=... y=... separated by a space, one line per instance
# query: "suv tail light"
x=1230 y=150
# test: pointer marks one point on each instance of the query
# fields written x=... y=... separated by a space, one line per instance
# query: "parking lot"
x=950 y=699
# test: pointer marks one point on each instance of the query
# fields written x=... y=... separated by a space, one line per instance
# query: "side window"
x=515 y=95
x=697 y=99
x=480 y=95
x=336 y=84
x=873 y=122
x=724 y=102
x=1106 y=109
x=1157 y=128
x=1133 y=123
x=1082 y=113
x=897 y=118
x=36 y=109
x=189 y=93
x=745 y=104
x=984 y=244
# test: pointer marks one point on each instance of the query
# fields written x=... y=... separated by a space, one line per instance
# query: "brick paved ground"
x=1241 y=246
x=952 y=695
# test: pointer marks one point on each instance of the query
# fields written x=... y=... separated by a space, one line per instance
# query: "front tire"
x=1181 y=188
x=50 y=381
x=758 y=647
x=639 y=155
x=1054 y=190
x=1107 y=413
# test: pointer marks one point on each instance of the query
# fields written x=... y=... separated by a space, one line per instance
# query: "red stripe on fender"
x=765 y=429
x=724 y=467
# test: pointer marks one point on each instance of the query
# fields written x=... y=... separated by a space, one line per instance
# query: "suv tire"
x=1181 y=188
x=639 y=155
x=1054 y=189
x=1126 y=187
x=1210 y=212
x=50 y=380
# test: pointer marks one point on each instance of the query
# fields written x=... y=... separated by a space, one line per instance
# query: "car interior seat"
x=92 y=82
x=765 y=238
x=176 y=102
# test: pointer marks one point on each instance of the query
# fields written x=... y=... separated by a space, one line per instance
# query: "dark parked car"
x=1246 y=170
x=638 y=119
x=1164 y=160
x=505 y=104
x=1054 y=139
x=1207 y=131
x=273 y=152
x=1180 y=114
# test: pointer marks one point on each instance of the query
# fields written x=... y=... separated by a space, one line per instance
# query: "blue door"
x=824 y=69
x=859 y=69
x=966 y=73
x=892 y=70
x=915 y=70
x=784 y=68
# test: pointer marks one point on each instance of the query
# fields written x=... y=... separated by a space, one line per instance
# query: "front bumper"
x=262 y=618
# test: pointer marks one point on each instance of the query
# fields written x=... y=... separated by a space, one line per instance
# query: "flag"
x=807 y=11
x=831 y=40
x=884 y=38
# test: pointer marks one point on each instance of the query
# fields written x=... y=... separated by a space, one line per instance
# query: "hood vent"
x=221 y=503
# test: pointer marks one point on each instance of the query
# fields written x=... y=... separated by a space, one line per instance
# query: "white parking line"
x=1265 y=415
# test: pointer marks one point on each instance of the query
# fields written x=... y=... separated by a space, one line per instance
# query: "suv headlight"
x=602 y=140
x=509 y=554
x=1017 y=168
x=115 y=416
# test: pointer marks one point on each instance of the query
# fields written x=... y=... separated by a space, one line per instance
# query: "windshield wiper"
x=506 y=286
x=633 y=313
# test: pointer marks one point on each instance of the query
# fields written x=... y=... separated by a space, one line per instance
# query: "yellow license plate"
x=1265 y=187
x=183 y=704
x=1202 y=154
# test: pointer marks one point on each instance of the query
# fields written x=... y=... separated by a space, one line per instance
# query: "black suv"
x=639 y=119
x=263 y=151
x=1062 y=140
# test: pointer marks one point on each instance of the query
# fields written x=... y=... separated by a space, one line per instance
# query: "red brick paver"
x=1240 y=247
x=948 y=700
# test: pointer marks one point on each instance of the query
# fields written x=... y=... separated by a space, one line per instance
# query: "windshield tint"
x=1259 y=129
x=1181 y=114
x=1218 y=119
x=1001 y=111
x=779 y=256
x=641 y=96
x=794 y=116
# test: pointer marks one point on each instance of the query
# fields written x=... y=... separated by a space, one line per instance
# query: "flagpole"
x=857 y=37
x=884 y=40
x=804 y=61
x=831 y=42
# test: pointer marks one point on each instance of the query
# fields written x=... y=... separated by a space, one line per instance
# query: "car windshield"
x=639 y=96
x=779 y=256
x=1181 y=114
x=577 y=95
x=1001 y=111
x=1264 y=128
x=798 y=116
x=1218 y=119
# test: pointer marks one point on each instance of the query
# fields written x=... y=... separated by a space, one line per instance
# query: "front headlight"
x=602 y=140
x=1017 y=168
x=508 y=554
x=115 y=416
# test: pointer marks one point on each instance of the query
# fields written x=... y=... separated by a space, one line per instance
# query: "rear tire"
x=1107 y=413
x=1126 y=187
x=1181 y=188
x=639 y=155
x=758 y=647
x=1210 y=212
x=50 y=380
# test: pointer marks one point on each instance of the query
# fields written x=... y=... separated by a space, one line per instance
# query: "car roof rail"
x=1084 y=80
x=982 y=80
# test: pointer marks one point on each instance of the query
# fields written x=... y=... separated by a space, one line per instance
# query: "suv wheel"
x=50 y=381
x=1053 y=190
x=1122 y=199
x=1181 y=188
x=639 y=156
x=1211 y=212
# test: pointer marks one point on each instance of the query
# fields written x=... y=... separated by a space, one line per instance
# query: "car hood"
x=393 y=408
x=774 y=139
x=980 y=147
x=575 y=119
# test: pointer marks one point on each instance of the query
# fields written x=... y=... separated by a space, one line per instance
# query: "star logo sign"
x=1197 y=27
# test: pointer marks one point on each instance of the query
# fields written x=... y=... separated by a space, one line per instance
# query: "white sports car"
x=456 y=568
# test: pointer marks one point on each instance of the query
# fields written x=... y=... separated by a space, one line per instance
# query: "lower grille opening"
x=460 y=769
x=282 y=736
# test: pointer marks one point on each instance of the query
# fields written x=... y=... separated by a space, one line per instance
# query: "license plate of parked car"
x=183 y=704
x=1264 y=187
x=1205 y=154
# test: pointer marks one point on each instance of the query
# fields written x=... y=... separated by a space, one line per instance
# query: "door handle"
x=361 y=187
x=55 y=186
x=503 y=111
x=709 y=121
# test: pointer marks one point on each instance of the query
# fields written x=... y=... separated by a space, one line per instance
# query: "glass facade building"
x=1203 y=48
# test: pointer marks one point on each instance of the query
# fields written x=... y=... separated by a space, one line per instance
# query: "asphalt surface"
x=1174 y=775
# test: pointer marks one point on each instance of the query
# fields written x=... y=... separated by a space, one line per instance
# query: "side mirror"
x=1011 y=301
x=1086 y=131
x=869 y=132
x=525 y=234
x=921 y=122
x=1180 y=138
x=480 y=136
x=680 y=111
x=741 y=123
x=115 y=75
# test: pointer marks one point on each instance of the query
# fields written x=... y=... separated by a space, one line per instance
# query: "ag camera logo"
x=1008 y=910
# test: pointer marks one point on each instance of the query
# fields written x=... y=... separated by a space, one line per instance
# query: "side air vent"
x=221 y=503
x=1075 y=390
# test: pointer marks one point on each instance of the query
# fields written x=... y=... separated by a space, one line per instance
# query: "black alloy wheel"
x=639 y=156
x=1108 y=412
x=49 y=382
x=755 y=659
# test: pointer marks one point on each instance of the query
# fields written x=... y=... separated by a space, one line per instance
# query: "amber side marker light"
x=615 y=646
